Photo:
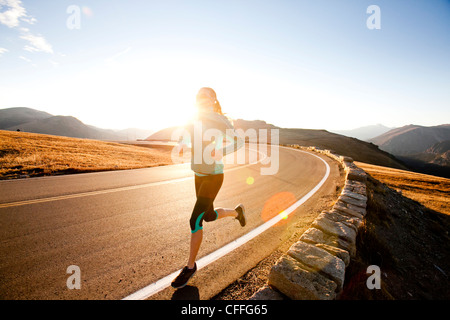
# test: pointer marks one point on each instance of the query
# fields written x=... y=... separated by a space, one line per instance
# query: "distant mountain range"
x=438 y=154
x=420 y=148
x=35 y=121
x=364 y=133
x=412 y=139
x=424 y=149
x=357 y=149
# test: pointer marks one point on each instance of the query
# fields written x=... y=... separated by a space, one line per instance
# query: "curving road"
x=127 y=230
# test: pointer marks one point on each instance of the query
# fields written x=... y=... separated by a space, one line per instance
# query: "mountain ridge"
x=36 y=121
x=411 y=139
x=423 y=149
x=352 y=147
x=364 y=133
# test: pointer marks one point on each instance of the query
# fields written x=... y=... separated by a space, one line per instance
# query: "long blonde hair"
x=206 y=97
x=217 y=107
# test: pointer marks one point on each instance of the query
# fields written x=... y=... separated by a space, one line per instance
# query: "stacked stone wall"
x=314 y=267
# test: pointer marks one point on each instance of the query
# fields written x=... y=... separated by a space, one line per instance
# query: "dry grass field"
x=28 y=154
x=406 y=232
x=431 y=191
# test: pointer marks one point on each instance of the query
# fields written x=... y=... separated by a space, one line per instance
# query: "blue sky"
x=304 y=64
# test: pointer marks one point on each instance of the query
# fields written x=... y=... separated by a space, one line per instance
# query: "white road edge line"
x=165 y=282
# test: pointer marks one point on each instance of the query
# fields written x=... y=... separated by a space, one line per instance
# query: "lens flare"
x=87 y=11
x=250 y=181
x=276 y=205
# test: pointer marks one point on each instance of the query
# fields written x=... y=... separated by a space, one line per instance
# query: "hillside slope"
x=422 y=149
x=14 y=116
x=438 y=154
x=364 y=133
x=24 y=154
x=411 y=139
x=407 y=240
x=65 y=126
x=35 y=121
x=352 y=147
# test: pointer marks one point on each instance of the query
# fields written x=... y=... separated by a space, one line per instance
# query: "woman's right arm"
x=233 y=141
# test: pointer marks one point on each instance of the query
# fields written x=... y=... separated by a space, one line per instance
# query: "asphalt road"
x=127 y=229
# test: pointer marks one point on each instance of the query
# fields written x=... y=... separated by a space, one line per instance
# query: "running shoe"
x=241 y=215
x=183 y=278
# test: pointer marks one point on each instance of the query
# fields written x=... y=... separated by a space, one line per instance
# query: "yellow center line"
x=90 y=193
x=98 y=192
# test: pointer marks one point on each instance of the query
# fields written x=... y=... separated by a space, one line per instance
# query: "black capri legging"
x=206 y=188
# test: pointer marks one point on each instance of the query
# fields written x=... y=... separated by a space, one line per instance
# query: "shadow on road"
x=186 y=293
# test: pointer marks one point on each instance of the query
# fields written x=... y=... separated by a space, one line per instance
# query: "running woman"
x=208 y=174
